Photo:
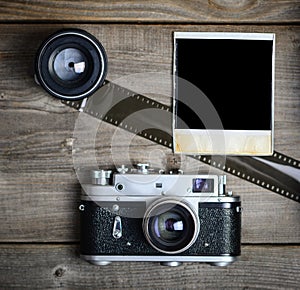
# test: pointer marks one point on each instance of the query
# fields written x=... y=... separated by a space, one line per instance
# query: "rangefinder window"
x=203 y=185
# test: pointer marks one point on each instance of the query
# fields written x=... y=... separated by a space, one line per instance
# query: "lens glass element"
x=69 y=64
x=171 y=226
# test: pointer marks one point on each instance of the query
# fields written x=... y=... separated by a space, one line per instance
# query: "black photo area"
x=235 y=75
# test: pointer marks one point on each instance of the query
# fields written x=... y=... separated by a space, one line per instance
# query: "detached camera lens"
x=171 y=226
x=71 y=64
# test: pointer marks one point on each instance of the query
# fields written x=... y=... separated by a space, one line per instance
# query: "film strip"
x=113 y=104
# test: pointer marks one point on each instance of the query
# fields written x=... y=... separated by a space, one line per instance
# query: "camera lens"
x=171 y=226
x=71 y=64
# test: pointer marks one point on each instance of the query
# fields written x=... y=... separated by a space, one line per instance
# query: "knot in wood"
x=233 y=5
x=59 y=272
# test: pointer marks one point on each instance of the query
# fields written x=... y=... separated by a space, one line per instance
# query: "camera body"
x=145 y=215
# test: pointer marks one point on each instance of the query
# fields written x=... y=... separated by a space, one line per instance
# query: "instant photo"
x=223 y=93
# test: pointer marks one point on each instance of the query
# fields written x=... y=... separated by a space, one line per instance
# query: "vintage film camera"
x=145 y=215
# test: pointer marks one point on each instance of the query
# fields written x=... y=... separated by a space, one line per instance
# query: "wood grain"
x=39 y=189
x=190 y=11
x=38 y=185
x=59 y=266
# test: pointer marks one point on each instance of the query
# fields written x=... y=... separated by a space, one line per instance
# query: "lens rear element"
x=69 y=64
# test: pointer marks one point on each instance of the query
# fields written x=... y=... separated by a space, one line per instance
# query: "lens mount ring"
x=71 y=64
x=165 y=213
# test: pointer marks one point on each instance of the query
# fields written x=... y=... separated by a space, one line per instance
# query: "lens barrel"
x=71 y=64
x=171 y=226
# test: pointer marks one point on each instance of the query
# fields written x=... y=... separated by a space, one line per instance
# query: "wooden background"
x=39 y=191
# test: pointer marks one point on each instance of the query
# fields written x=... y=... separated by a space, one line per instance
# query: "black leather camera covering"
x=220 y=231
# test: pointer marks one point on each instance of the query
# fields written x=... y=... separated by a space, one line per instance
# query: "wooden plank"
x=45 y=267
x=39 y=191
x=191 y=11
